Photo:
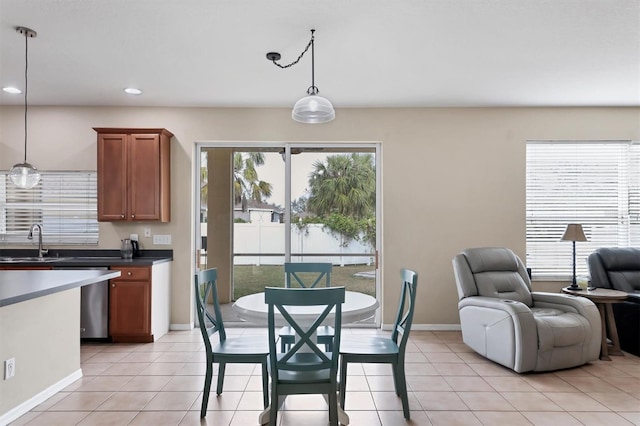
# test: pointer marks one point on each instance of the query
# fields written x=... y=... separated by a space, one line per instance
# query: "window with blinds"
x=594 y=183
x=64 y=203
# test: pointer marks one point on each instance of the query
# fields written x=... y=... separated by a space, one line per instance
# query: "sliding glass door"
x=261 y=206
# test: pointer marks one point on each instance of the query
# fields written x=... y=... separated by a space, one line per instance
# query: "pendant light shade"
x=24 y=175
x=312 y=109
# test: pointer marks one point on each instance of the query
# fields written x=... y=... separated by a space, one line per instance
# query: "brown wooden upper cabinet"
x=134 y=179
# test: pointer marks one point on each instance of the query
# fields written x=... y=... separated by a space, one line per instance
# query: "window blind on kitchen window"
x=594 y=183
x=64 y=203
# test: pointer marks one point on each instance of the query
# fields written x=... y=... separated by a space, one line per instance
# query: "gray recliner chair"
x=618 y=268
x=504 y=321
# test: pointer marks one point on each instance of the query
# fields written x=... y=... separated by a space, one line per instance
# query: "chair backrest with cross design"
x=209 y=315
x=304 y=368
x=406 y=308
x=307 y=275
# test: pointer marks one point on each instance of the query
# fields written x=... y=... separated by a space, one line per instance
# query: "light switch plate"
x=162 y=239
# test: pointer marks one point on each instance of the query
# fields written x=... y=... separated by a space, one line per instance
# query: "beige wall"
x=451 y=178
x=46 y=351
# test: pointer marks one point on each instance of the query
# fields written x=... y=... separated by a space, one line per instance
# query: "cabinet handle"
x=113 y=285
x=133 y=216
x=122 y=216
x=129 y=273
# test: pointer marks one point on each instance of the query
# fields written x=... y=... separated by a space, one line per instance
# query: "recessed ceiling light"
x=12 y=90
x=133 y=91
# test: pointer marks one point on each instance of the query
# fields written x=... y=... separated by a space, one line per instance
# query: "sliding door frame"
x=287 y=148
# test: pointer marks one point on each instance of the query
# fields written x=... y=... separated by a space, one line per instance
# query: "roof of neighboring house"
x=255 y=205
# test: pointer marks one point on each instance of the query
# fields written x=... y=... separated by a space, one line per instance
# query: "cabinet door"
x=112 y=177
x=130 y=309
x=144 y=177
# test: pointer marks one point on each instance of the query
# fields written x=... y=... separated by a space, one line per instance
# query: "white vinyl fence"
x=262 y=243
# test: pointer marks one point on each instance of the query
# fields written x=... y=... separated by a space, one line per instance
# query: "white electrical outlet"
x=9 y=368
x=164 y=240
x=147 y=232
x=133 y=237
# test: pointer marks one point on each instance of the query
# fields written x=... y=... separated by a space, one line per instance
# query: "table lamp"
x=574 y=233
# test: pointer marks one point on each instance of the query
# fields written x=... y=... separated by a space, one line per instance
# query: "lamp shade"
x=574 y=232
x=313 y=109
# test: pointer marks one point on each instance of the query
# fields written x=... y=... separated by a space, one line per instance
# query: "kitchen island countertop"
x=19 y=286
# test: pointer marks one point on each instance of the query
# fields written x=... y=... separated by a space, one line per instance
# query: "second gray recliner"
x=503 y=320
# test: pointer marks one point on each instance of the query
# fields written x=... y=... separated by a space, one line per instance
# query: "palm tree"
x=204 y=185
x=246 y=185
x=345 y=184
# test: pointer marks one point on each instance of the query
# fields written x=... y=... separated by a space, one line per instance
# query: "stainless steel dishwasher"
x=94 y=308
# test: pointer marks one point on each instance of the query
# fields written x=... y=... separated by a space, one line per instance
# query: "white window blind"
x=594 y=183
x=64 y=203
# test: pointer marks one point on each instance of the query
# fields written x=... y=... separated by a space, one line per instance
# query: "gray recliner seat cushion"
x=562 y=340
x=557 y=328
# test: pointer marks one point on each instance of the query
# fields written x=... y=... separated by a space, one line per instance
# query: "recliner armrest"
x=633 y=298
x=561 y=301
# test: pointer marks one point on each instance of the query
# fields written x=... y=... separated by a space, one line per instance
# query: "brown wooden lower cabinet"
x=130 y=305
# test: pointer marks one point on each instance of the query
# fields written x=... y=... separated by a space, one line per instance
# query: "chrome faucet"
x=41 y=251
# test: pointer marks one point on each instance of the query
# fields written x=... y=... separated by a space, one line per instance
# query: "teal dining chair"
x=237 y=350
x=304 y=368
x=390 y=350
x=306 y=275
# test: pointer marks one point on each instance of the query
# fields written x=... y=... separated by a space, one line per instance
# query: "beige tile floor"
x=161 y=384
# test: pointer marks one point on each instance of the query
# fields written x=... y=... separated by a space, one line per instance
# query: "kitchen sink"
x=9 y=259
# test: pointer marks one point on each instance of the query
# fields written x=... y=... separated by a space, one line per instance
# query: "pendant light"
x=313 y=108
x=24 y=175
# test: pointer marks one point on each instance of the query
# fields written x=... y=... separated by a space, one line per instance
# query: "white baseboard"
x=39 y=398
x=180 y=327
x=388 y=327
x=427 y=327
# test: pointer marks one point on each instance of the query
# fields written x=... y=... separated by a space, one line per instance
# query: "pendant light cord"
x=313 y=90
x=299 y=57
x=26 y=89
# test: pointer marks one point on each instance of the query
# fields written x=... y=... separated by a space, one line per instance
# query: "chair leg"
x=265 y=385
x=283 y=346
x=207 y=389
x=273 y=411
x=394 y=369
x=343 y=380
x=333 y=408
x=401 y=387
x=221 y=367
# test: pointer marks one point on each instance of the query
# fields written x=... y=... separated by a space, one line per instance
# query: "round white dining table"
x=356 y=307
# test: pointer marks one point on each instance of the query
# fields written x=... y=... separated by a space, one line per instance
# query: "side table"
x=604 y=298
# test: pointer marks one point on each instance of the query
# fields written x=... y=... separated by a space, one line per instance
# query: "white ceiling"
x=369 y=53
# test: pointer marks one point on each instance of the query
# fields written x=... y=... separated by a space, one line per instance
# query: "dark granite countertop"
x=19 y=286
x=84 y=258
